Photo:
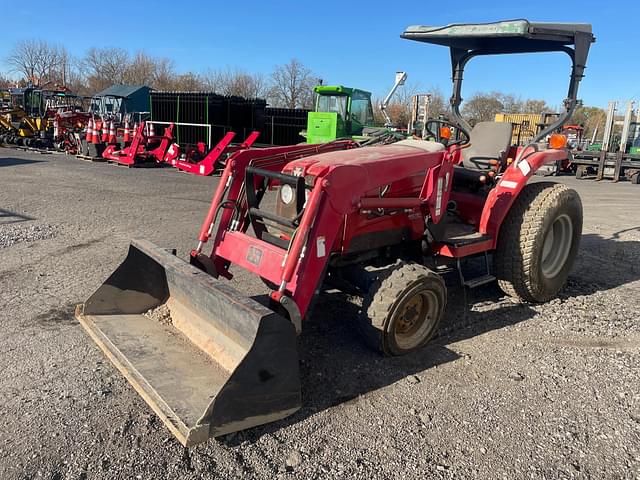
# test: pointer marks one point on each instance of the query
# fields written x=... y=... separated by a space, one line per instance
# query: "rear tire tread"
x=514 y=257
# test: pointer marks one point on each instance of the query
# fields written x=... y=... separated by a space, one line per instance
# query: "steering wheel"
x=465 y=134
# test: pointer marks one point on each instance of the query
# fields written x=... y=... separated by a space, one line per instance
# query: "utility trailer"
x=619 y=155
x=383 y=222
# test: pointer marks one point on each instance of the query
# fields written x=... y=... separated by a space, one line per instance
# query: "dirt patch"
x=160 y=314
x=55 y=318
x=79 y=246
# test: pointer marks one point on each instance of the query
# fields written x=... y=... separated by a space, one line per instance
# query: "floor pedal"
x=478 y=281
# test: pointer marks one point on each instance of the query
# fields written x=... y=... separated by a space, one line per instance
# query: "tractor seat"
x=489 y=141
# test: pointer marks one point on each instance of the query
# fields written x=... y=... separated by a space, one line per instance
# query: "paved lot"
x=505 y=391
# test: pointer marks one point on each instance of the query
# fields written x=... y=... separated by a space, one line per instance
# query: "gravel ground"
x=506 y=390
x=27 y=233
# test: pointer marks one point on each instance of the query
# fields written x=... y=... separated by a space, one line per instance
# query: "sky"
x=356 y=43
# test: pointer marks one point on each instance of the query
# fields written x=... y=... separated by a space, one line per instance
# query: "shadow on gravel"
x=11 y=162
x=336 y=368
x=604 y=263
x=7 y=216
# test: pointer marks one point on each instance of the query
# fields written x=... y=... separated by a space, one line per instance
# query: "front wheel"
x=402 y=309
x=539 y=241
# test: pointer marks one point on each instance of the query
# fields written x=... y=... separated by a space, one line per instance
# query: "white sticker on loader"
x=201 y=169
x=320 y=247
x=508 y=184
x=439 y=197
x=524 y=167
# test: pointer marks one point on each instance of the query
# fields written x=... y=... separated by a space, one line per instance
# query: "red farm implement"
x=145 y=148
x=216 y=158
x=383 y=222
x=68 y=126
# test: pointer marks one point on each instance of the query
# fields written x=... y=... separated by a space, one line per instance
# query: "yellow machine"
x=16 y=121
x=526 y=125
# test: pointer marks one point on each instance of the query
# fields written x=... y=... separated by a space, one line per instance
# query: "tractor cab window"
x=634 y=134
x=361 y=111
x=334 y=104
x=33 y=102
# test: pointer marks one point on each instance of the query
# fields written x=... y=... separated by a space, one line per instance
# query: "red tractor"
x=380 y=221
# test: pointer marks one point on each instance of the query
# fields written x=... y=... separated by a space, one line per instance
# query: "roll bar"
x=467 y=41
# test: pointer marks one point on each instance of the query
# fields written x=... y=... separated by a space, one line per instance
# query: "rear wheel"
x=402 y=309
x=539 y=241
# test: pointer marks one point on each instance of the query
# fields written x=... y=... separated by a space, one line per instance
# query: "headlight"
x=286 y=194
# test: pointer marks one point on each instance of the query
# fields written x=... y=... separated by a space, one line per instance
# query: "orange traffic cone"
x=105 y=131
x=89 y=130
x=95 y=137
x=112 y=134
x=127 y=133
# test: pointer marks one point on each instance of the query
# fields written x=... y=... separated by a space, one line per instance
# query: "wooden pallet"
x=28 y=149
x=87 y=158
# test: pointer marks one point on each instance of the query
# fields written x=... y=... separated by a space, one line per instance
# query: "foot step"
x=478 y=281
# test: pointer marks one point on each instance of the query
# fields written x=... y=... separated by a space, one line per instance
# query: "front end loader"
x=383 y=222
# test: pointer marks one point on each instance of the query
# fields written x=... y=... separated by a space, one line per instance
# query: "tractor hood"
x=362 y=170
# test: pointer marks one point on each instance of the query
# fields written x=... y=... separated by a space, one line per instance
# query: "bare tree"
x=38 y=61
x=510 y=103
x=292 y=85
x=482 y=107
x=188 y=82
x=235 y=82
x=244 y=84
x=164 y=75
x=591 y=118
x=140 y=70
x=438 y=105
x=535 y=106
x=400 y=106
x=213 y=80
x=104 y=67
x=5 y=81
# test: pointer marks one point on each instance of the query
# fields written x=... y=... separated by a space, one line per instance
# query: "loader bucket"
x=221 y=363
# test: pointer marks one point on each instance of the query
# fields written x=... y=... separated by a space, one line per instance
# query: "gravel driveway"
x=505 y=391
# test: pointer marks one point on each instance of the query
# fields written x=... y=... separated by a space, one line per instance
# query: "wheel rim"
x=414 y=319
x=557 y=245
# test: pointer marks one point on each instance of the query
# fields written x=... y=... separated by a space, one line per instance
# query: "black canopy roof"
x=509 y=36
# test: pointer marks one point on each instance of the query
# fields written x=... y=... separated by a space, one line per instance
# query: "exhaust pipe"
x=220 y=362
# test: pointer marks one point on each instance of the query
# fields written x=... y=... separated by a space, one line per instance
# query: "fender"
x=509 y=187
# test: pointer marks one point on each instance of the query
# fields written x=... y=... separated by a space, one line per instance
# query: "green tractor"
x=340 y=112
x=343 y=112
